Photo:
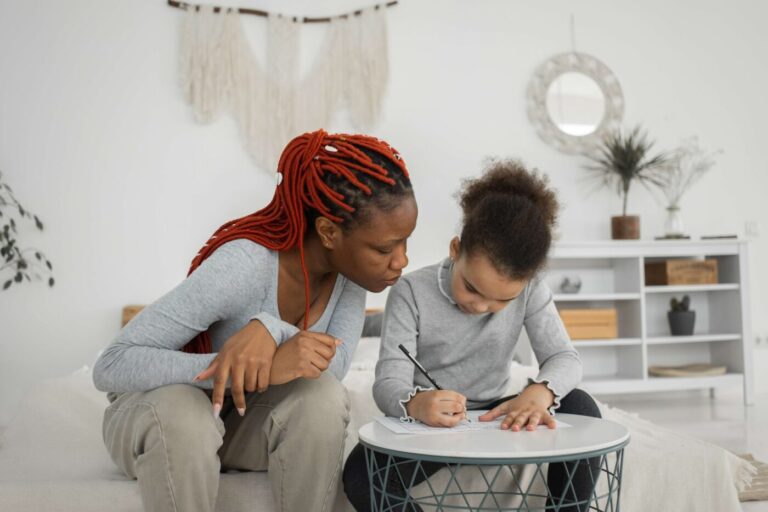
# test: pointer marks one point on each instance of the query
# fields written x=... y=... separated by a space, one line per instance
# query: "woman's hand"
x=305 y=354
x=438 y=408
x=246 y=359
x=528 y=410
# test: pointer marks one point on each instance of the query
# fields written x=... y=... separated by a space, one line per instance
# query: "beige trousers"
x=169 y=440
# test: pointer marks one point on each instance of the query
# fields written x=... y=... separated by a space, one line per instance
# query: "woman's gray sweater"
x=236 y=284
x=469 y=354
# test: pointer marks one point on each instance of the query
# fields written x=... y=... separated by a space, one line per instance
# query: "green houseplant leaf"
x=17 y=263
x=623 y=158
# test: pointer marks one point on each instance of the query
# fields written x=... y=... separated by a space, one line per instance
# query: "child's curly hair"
x=509 y=213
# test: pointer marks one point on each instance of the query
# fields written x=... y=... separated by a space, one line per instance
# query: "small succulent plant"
x=683 y=304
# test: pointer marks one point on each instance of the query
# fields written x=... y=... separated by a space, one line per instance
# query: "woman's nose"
x=400 y=259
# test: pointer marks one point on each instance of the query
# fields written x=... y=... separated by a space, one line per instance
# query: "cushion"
x=372 y=324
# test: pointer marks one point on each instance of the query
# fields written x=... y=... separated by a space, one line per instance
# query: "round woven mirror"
x=573 y=101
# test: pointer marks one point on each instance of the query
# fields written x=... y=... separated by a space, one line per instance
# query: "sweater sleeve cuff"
x=543 y=380
x=273 y=326
x=405 y=418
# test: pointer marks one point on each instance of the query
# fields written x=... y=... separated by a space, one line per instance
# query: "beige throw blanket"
x=664 y=470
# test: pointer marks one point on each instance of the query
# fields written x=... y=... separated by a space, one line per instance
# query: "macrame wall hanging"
x=272 y=104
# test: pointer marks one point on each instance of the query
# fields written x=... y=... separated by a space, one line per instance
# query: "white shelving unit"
x=612 y=275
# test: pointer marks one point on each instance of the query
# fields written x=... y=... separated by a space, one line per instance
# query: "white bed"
x=52 y=457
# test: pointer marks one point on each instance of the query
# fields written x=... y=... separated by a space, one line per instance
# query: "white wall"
x=95 y=138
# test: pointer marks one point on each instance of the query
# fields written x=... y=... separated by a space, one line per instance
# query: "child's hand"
x=527 y=410
x=440 y=408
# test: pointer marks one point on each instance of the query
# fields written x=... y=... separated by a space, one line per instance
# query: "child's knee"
x=579 y=402
x=355 y=479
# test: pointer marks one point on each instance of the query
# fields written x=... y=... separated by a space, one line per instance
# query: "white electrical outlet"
x=752 y=229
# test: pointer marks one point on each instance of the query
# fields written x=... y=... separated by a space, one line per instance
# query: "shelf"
x=713 y=381
x=628 y=385
x=594 y=297
x=696 y=338
x=612 y=273
x=615 y=249
x=612 y=384
x=617 y=342
x=691 y=288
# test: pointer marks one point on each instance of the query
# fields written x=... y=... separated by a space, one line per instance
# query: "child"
x=462 y=318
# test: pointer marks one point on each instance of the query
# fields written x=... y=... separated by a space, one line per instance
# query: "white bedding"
x=52 y=457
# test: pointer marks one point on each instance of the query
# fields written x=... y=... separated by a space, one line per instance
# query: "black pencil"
x=427 y=375
x=418 y=365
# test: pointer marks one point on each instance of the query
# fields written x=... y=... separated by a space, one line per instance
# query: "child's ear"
x=454 y=249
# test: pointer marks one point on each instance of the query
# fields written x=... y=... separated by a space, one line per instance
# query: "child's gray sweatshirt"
x=470 y=354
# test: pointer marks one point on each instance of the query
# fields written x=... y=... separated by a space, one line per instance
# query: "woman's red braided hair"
x=282 y=224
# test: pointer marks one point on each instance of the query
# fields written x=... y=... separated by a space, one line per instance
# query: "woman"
x=274 y=307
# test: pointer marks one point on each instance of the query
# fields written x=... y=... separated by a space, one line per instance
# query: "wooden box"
x=681 y=271
x=130 y=312
x=587 y=324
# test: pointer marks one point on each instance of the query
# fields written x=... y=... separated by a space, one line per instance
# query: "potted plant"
x=17 y=264
x=619 y=161
x=686 y=166
x=681 y=317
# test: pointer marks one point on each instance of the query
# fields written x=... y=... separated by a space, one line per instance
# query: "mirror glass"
x=575 y=103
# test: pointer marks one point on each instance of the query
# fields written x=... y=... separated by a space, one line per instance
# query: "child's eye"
x=384 y=251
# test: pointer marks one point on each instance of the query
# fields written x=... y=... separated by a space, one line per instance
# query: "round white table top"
x=585 y=435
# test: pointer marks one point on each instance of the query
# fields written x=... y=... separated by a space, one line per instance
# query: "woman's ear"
x=328 y=231
x=454 y=249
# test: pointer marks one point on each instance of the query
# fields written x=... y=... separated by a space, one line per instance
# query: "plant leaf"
x=7 y=284
x=621 y=159
x=50 y=282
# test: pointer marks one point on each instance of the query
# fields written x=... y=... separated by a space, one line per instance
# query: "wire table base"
x=400 y=482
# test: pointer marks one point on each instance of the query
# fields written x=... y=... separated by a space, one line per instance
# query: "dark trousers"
x=357 y=488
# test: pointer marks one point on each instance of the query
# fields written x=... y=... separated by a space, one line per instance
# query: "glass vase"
x=673 y=227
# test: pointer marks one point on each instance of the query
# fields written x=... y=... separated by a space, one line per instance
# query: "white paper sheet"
x=400 y=427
